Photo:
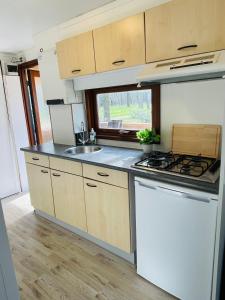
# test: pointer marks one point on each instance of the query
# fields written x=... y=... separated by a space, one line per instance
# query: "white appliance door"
x=9 y=179
x=18 y=122
x=175 y=239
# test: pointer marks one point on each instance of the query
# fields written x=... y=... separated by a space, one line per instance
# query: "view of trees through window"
x=131 y=110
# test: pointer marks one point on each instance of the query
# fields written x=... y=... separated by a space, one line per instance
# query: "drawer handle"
x=76 y=71
x=102 y=174
x=35 y=158
x=56 y=175
x=187 y=47
x=44 y=171
x=91 y=185
x=118 y=62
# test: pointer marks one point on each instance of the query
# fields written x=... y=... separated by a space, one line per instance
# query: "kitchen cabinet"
x=184 y=27
x=107 y=209
x=92 y=198
x=39 y=179
x=106 y=175
x=67 y=166
x=76 y=56
x=37 y=159
x=69 y=203
x=120 y=44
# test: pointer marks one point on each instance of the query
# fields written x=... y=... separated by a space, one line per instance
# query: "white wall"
x=200 y=102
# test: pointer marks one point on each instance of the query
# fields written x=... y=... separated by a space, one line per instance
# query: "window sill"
x=122 y=137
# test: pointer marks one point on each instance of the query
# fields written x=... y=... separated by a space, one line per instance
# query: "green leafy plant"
x=147 y=136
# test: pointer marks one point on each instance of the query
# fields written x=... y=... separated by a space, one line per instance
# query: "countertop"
x=121 y=159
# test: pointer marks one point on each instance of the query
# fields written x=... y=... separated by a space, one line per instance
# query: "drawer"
x=106 y=175
x=37 y=159
x=65 y=165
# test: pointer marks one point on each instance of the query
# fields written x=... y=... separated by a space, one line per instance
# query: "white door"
x=9 y=179
x=175 y=239
x=2 y=287
x=18 y=122
x=8 y=284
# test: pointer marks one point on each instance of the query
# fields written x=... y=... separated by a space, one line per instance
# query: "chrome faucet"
x=82 y=140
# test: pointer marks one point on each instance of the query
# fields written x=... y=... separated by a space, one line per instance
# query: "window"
x=119 y=112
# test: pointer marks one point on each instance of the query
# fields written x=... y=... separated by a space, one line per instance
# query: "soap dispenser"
x=92 y=136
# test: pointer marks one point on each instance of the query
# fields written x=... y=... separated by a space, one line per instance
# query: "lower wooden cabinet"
x=108 y=217
x=101 y=209
x=69 y=199
x=40 y=188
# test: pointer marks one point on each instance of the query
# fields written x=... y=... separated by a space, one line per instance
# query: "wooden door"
x=32 y=74
x=107 y=209
x=120 y=44
x=76 y=56
x=184 y=27
x=68 y=194
x=39 y=179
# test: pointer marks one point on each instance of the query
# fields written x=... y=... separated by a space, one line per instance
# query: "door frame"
x=34 y=103
x=22 y=68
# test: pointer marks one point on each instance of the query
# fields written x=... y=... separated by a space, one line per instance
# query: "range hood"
x=196 y=67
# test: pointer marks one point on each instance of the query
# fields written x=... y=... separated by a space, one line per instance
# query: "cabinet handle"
x=102 y=174
x=76 y=71
x=91 y=185
x=56 y=175
x=187 y=47
x=118 y=62
x=44 y=171
x=35 y=158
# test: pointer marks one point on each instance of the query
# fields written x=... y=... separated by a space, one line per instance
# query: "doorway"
x=36 y=110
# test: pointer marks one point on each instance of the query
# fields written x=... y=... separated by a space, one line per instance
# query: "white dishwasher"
x=175 y=229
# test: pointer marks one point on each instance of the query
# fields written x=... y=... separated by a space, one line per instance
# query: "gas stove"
x=196 y=167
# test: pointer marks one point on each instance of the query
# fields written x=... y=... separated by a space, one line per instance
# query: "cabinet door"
x=107 y=209
x=68 y=194
x=76 y=56
x=183 y=27
x=40 y=188
x=120 y=44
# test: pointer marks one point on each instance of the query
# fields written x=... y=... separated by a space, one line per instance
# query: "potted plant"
x=147 y=138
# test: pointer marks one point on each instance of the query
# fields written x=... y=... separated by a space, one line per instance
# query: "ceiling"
x=21 y=19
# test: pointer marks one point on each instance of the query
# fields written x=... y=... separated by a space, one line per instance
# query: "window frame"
x=120 y=134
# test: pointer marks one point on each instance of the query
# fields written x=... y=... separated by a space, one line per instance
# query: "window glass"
x=131 y=110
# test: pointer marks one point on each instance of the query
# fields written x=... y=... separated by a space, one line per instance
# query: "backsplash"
x=199 y=102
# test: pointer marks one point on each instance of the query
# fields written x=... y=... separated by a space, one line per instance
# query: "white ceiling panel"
x=21 y=19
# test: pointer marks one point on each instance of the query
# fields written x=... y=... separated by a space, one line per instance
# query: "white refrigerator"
x=13 y=136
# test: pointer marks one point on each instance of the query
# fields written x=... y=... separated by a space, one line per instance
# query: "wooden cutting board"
x=193 y=139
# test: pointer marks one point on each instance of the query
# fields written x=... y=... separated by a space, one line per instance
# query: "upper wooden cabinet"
x=184 y=27
x=120 y=44
x=76 y=56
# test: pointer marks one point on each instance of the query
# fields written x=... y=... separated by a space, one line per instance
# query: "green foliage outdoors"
x=147 y=136
x=129 y=114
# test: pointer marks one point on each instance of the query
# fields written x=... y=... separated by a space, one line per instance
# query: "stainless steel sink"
x=82 y=150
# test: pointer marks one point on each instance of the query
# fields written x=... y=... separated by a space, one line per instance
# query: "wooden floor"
x=52 y=263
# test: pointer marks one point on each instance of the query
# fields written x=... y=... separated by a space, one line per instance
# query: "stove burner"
x=185 y=169
x=154 y=162
x=178 y=164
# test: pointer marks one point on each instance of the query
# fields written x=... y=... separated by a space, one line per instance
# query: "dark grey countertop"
x=121 y=159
